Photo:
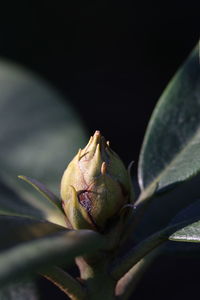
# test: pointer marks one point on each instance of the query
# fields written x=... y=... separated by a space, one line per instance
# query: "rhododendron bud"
x=95 y=186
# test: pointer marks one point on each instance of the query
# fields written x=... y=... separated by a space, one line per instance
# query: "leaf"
x=12 y=204
x=20 y=291
x=184 y=249
x=32 y=256
x=42 y=189
x=40 y=133
x=166 y=206
x=15 y=230
x=58 y=215
x=190 y=233
x=122 y=266
x=171 y=147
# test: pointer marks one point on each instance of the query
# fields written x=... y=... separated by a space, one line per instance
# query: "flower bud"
x=95 y=186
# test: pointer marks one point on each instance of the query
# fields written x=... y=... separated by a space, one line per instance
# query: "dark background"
x=112 y=60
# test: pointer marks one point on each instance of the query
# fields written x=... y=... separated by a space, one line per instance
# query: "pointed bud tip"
x=103 y=168
x=96 y=138
x=79 y=154
x=97 y=133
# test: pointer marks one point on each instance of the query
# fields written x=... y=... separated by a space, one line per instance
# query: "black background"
x=112 y=60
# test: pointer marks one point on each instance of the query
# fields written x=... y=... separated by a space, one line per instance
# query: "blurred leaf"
x=12 y=204
x=15 y=230
x=57 y=216
x=42 y=189
x=171 y=147
x=20 y=291
x=32 y=256
x=40 y=132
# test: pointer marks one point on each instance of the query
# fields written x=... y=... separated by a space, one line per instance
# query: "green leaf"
x=40 y=133
x=184 y=249
x=29 y=257
x=139 y=251
x=190 y=233
x=166 y=206
x=25 y=290
x=42 y=189
x=58 y=211
x=11 y=204
x=15 y=230
x=171 y=147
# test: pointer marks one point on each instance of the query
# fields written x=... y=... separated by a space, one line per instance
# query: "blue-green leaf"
x=190 y=233
x=171 y=147
x=23 y=290
x=11 y=204
x=31 y=256
x=40 y=132
x=42 y=189
x=17 y=229
x=191 y=212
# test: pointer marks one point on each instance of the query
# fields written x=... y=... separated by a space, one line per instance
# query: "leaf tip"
x=21 y=177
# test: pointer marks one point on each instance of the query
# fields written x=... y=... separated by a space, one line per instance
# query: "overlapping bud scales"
x=95 y=186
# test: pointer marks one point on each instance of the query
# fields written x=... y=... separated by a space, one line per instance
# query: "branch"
x=65 y=282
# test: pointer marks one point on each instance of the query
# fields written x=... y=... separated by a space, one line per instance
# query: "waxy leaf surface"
x=184 y=249
x=190 y=233
x=171 y=149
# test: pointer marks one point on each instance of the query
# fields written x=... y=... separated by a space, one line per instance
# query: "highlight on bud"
x=95 y=186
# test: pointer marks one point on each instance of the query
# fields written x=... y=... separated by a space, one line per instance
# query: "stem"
x=65 y=282
x=95 y=275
